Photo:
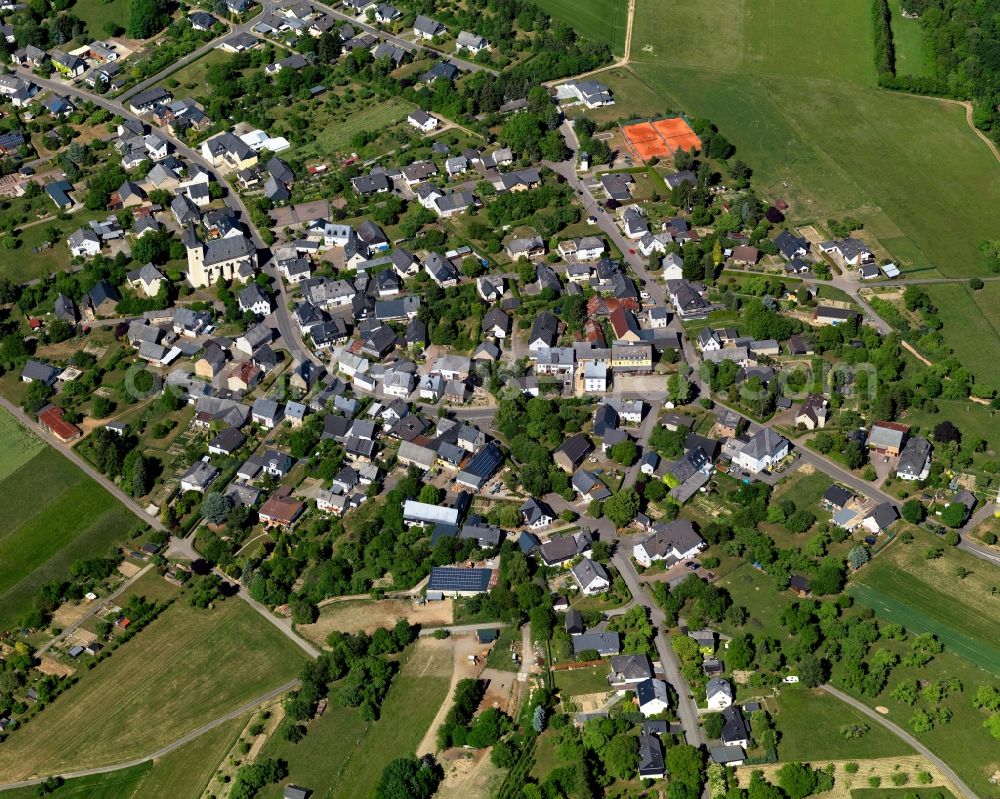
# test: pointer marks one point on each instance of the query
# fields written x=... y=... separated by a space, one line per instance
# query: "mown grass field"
x=901 y=793
x=809 y=721
x=582 y=681
x=928 y=596
x=192 y=77
x=599 y=20
x=342 y=756
x=805 y=487
x=908 y=41
x=18 y=445
x=24 y=264
x=793 y=87
x=187 y=668
x=183 y=773
x=759 y=595
x=113 y=785
x=97 y=13
x=60 y=515
x=186 y=771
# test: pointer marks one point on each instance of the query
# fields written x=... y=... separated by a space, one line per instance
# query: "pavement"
x=903 y=735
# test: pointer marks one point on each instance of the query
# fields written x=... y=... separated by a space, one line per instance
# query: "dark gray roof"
x=604 y=643
x=650 y=756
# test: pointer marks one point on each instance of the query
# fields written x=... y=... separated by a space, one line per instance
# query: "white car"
x=791 y=679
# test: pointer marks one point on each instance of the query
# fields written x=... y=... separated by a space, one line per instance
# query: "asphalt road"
x=686 y=710
x=903 y=735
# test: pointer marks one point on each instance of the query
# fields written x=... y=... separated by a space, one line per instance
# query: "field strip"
x=977 y=652
x=166 y=750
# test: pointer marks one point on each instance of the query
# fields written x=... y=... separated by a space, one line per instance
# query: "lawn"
x=972 y=419
x=61 y=516
x=582 y=681
x=923 y=595
x=97 y=13
x=192 y=77
x=25 y=264
x=809 y=722
x=756 y=591
x=599 y=20
x=19 y=446
x=804 y=487
x=188 y=667
x=792 y=86
x=342 y=757
x=499 y=656
x=825 y=292
x=908 y=41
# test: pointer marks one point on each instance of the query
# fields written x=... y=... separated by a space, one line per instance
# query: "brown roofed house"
x=51 y=418
x=281 y=509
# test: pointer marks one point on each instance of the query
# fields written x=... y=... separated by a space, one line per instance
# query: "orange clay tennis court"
x=661 y=138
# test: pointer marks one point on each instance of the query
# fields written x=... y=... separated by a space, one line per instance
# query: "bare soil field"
x=468 y=775
x=365 y=614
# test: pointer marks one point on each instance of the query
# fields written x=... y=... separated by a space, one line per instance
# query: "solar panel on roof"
x=445 y=578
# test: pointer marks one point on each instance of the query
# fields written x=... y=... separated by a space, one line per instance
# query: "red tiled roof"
x=52 y=419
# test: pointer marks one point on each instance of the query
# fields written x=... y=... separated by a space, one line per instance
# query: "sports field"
x=342 y=756
x=902 y=586
x=187 y=668
x=660 y=138
x=60 y=515
x=792 y=85
x=600 y=20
